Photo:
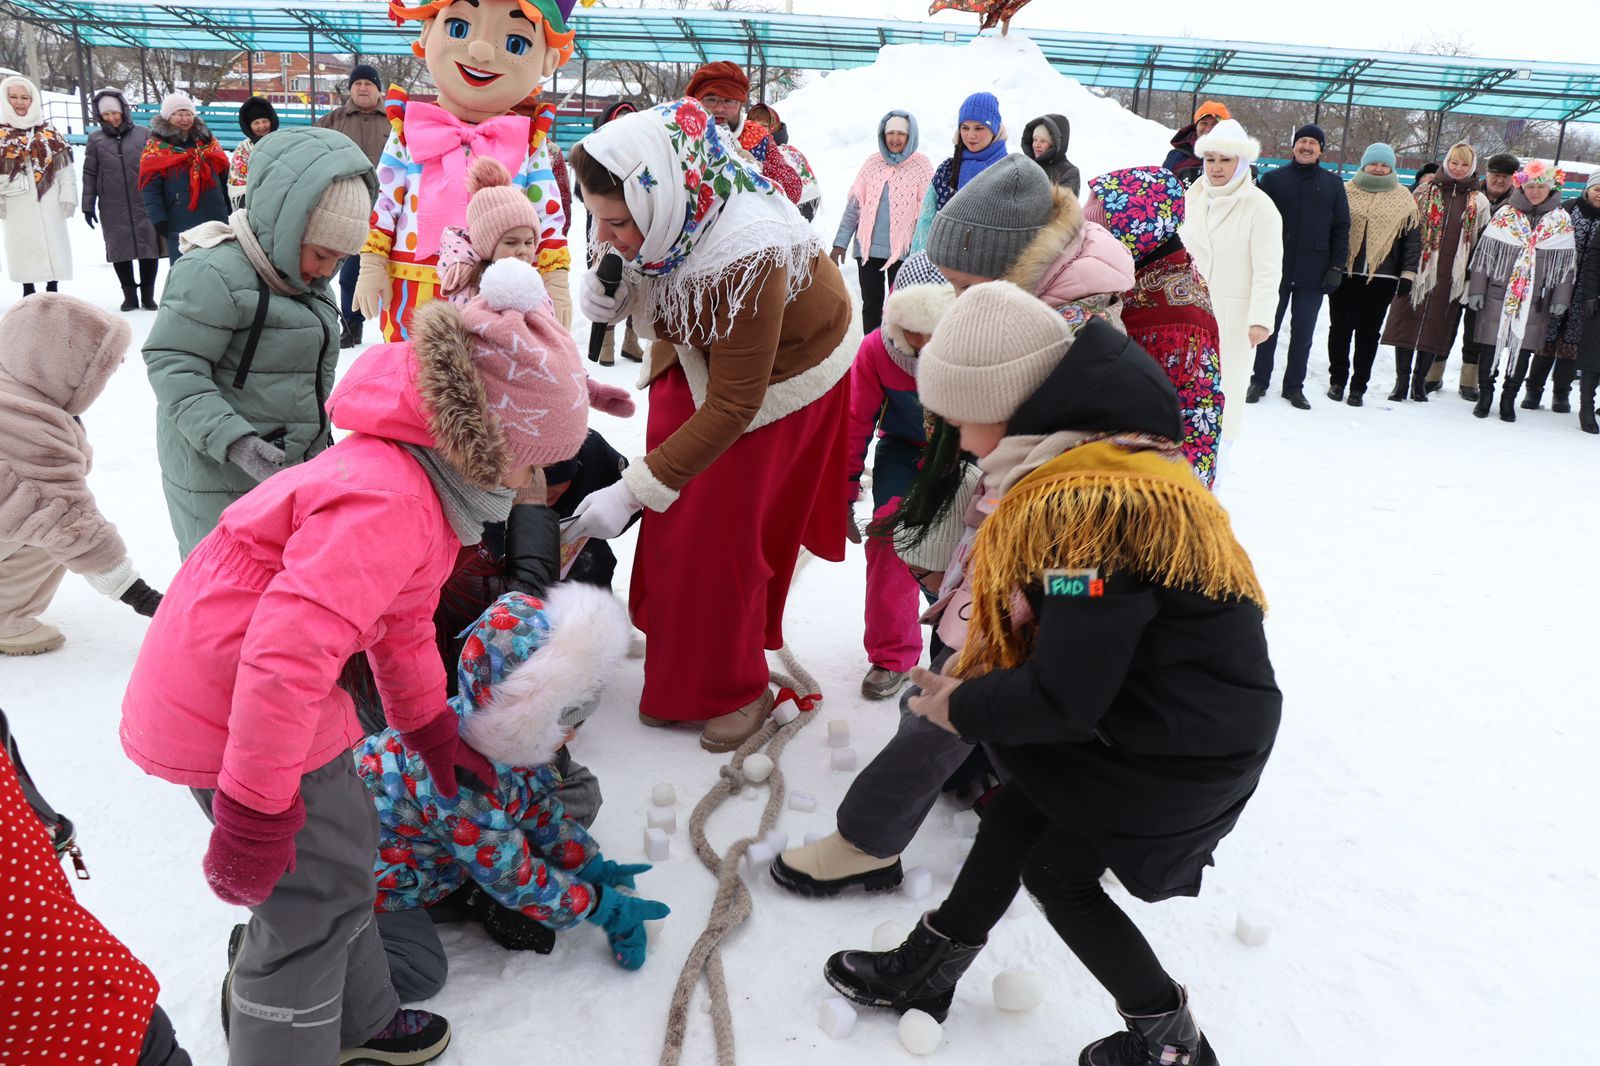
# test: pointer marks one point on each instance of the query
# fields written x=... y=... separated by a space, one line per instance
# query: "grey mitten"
x=255 y=457
x=1557 y=310
x=1475 y=301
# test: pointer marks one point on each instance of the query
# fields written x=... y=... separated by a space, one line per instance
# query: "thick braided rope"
x=732 y=904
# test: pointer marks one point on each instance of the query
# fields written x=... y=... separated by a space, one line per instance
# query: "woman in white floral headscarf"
x=38 y=189
x=748 y=404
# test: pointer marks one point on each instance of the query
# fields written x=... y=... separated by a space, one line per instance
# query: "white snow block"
x=657 y=845
x=663 y=818
x=757 y=859
x=967 y=823
x=757 y=767
x=636 y=645
x=802 y=801
x=1253 y=928
x=663 y=795
x=1019 y=906
x=838 y=1018
x=812 y=838
x=785 y=713
x=652 y=932
x=751 y=793
x=842 y=758
x=777 y=840
x=1017 y=990
x=918 y=882
x=889 y=935
x=920 y=1034
x=838 y=733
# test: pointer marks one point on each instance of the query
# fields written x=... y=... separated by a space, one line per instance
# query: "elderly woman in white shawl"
x=748 y=401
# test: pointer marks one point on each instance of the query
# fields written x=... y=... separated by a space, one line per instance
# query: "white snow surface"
x=1416 y=842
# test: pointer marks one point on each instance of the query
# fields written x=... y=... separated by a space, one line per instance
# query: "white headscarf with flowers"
x=706 y=214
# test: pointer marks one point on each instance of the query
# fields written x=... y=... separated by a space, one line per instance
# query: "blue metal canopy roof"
x=1466 y=84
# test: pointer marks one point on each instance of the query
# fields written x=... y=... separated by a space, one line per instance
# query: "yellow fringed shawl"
x=1098 y=505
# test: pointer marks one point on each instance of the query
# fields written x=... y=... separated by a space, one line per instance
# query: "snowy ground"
x=1414 y=844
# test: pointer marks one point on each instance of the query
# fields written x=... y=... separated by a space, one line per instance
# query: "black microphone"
x=609 y=274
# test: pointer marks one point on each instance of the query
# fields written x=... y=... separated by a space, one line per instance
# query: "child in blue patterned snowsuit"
x=530 y=672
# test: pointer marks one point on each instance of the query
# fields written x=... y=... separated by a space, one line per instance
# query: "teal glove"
x=623 y=917
x=602 y=871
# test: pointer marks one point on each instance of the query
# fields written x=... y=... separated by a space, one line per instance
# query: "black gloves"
x=1330 y=280
x=89 y=217
x=142 y=598
x=1404 y=288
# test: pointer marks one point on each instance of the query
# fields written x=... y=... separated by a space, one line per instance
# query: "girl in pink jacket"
x=235 y=695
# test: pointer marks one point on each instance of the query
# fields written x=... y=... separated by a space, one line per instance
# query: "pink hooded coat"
x=1072 y=258
x=235 y=686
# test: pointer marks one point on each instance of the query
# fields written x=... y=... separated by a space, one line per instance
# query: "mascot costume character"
x=488 y=59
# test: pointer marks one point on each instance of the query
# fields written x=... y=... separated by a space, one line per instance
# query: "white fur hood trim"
x=589 y=635
x=1229 y=138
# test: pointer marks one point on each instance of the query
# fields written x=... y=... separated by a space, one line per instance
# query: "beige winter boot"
x=1469 y=381
x=831 y=865
x=726 y=732
x=36 y=641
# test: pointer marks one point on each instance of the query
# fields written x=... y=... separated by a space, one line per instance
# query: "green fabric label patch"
x=1074 y=583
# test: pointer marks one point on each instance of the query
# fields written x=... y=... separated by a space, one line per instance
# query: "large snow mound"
x=833 y=118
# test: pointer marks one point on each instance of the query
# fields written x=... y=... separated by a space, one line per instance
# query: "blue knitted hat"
x=1378 y=153
x=981 y=107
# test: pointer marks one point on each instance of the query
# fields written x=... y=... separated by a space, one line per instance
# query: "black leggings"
x=1016 y=846
x=874 y=281
x=124 y=269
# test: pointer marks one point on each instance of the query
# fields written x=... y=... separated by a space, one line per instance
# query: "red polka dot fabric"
x=70 y=992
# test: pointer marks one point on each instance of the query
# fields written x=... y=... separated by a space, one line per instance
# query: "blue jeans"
x=1307 y=304
x=347 y=289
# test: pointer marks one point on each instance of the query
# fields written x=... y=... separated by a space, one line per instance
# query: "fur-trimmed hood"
x=1071 y=258
x=914 y=309
x=425 y=392
x=531 y=669
x=163 y=130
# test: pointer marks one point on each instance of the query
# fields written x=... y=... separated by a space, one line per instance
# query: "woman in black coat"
x=111 y=198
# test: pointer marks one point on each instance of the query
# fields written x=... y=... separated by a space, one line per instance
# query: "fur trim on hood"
x=515 y=717
x=1229 y=138
x=464 y=430
x=1072 y=258
x=1063 y=230
x=916 y=309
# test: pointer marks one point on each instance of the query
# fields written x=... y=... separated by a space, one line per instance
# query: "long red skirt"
x=712 y=572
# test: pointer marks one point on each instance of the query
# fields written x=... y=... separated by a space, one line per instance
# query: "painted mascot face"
x=486 y=57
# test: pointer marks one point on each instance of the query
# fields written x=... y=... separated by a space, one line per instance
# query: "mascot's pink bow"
x=436 y=138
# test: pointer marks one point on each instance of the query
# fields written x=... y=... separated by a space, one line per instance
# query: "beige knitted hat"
x=341 y=218
x=992 y=350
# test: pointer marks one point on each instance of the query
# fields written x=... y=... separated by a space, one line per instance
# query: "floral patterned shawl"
x=707 y=216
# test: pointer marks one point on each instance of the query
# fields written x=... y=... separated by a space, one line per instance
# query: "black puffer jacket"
x=1144 y=717
x=1062 y=171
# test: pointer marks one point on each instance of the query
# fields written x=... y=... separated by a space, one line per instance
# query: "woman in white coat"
x=38 y=189
x=1234 y=232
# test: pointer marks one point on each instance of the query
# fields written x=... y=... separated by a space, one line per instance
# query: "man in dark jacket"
x=362 y=120
x=1497 y=186
x=1181 y=160
x=111 y=198
x=1316 y=243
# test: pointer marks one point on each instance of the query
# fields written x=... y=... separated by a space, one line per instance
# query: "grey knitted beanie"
x=985 y=226
x=992 y=350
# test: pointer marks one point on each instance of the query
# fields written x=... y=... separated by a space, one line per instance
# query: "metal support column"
x=311 y=40
x=583 y=87
x=1438 y=135
x=144 y=76
x=1561 y=142
x=1316 y=116
x=1349 y=111
x=250 y=72
x=83 y=78
x=763 y=93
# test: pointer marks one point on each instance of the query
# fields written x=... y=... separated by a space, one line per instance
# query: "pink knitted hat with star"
x=529 y=366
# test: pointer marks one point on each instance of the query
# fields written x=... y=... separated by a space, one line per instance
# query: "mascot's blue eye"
x=517 y=45
x=458 y=28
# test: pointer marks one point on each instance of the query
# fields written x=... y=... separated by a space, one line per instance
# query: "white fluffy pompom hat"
x=533 y=668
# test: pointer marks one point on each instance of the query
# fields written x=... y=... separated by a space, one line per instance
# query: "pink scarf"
x=908 y=182
x=443 y=144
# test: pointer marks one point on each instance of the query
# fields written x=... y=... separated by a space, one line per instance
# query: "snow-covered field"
x=1421 y=844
